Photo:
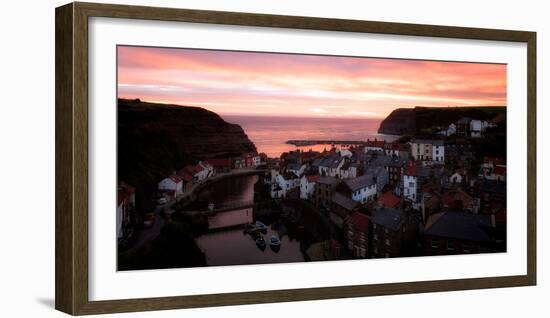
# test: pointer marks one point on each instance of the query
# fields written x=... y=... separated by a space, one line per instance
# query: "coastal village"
x=434 y=195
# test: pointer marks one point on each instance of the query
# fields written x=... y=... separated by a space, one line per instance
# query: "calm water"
x=269 y=134
x=228 y=244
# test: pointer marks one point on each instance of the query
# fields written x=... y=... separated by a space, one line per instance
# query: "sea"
x=270 y=134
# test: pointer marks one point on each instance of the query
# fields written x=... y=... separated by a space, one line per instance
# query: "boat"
x=275 y=241
x=260 y=241
x=260 y=226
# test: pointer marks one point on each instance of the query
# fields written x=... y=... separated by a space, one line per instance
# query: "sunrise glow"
x=269 y=84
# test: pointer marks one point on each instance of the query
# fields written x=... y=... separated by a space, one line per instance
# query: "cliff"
x=156 y=139
x=411 y=121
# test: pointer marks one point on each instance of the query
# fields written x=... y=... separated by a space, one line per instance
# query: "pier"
x=299 y=143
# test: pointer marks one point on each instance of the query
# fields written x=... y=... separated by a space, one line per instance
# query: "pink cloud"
x=271 y=83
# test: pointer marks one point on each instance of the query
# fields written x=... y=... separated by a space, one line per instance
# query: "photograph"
x=229 y=157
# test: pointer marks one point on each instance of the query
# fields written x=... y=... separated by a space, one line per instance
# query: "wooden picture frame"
x=71 y=90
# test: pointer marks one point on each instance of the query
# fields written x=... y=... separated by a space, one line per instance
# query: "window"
x=411 y=184
x=386 y=231
x=435 y=244
x=375 y=237
x=374 y=226
x=387 y=241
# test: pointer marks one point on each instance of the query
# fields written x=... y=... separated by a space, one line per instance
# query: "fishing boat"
x=275 y=241
x=260 y=226
x=260 y=241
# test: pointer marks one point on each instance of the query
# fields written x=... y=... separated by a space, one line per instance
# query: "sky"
x=272 y=84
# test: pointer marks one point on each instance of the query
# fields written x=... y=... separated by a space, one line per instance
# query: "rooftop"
x=391 y=219
x=459 y=225
x=360 y=182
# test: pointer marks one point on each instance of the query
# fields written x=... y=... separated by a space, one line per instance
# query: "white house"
x=451 y=130
x=307 y=186
x=203 y=170
x=363 y=188
x=374 y=145
x=455 y=178
x=330 y=166
x=477 y=127
x=296 y=168
x=173 y=184
x=345 y=153
x=428 y=150
x=348 y=170
x=410 y=183
x=283 y=184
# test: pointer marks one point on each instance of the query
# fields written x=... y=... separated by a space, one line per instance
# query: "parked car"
x=149 y=220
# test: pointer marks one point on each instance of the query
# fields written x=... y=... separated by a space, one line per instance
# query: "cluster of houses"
x=400 y=199
x=468 y=127
x=183 y=180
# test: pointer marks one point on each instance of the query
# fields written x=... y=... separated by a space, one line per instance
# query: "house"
x=380 y=175
x=397 y=149
x=363 y=188
x=451 y=130
x=324 y=190
x=344 y=153
x=199 y=172
x=463 y=127
x=348 y=170
x=220 y=165
x=307 y=186
x=396 y=168
x=357 y=234
x=126 y=201
x=388 y=200
x=342 y=206
x=252 y=160
x=374 y=145
x=393 y=233
x=478 y=127
x=456 y=177
x=171 y=186
x=238 y=163
x=410 y=183
x=457 y=200
x=450 y=232
x=330 y=165
x=428 y=150
x=286 y=181
x=296 y=168
x=493 y=168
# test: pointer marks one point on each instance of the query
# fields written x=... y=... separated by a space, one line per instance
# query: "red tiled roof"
x=312 y=177
x=411 y=170
x=500 y=170
x=493 y=160
x=175 y=178
x=450 y=198
x=388 y=200
x=360 y=221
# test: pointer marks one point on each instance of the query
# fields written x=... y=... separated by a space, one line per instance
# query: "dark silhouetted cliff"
x=156 y=139
x=410 y=121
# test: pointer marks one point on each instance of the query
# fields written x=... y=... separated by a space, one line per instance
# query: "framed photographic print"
x=219 y=158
